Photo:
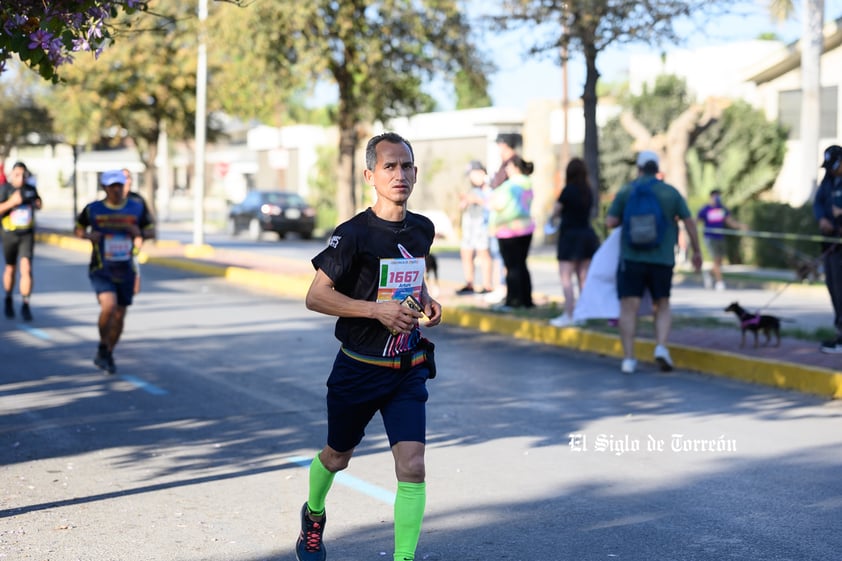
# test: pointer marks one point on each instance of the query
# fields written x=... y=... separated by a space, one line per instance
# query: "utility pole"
x=201 y=130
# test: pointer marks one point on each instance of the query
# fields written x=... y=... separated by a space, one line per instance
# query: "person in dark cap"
x=509 y=143
x=116 y=227
x=475 y=238
x=827 y=209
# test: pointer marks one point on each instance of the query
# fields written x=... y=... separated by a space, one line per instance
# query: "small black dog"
x=755 y=323
x=431 y=264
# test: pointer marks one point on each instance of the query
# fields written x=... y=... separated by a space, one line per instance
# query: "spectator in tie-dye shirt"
x=512 y=224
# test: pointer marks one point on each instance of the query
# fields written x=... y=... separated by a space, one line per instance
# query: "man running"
x=372 y=268
x=18 y=202
x=116 y=227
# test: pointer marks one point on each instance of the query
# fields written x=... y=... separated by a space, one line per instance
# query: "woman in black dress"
x=577 y=240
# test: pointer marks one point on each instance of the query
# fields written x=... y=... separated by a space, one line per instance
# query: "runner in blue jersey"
x=116 y=227
x=373 y=263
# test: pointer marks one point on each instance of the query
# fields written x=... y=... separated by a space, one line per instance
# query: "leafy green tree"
x=665 y=121
x=741 y=154
x=738 y=152
x=377 y=54
x=590 y=27
x=471 y=90
x=323 y=183
x=243 y=80
x=23 y=118
x=139 y=87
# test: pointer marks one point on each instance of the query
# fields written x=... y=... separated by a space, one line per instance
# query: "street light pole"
x=201 y=129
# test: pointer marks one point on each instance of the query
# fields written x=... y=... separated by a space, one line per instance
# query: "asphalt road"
x=196 y=449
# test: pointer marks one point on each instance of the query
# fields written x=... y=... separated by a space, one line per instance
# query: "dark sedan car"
x=272 y=211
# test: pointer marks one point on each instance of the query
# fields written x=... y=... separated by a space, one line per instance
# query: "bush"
x=774 y=218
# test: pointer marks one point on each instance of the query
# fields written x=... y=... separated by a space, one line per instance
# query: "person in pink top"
x=512 y=224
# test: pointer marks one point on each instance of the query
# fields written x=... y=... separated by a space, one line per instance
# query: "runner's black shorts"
x=635 y=277
x=18 y=245
x=356 y=391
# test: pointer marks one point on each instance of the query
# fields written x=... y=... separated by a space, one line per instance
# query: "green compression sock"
x=409 y=512
x=320 y=481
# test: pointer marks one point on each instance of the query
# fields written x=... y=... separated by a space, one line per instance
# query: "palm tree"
x=781 y=10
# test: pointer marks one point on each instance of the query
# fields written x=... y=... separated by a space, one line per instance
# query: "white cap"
x=646 y=156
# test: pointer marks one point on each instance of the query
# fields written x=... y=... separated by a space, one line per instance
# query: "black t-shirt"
x=352 y=260
x=575 y=208
x=20 y=219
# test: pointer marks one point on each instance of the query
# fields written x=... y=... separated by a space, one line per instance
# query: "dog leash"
x=786 y=285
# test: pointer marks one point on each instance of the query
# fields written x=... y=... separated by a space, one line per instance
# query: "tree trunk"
x=677 y=141
x=672 y=145
x=147 y=151
x=346 y=205
x=589 y=100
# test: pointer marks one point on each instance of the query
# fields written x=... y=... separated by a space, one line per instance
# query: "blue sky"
x=519 y=80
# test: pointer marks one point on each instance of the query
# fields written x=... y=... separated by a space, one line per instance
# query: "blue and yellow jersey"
x=113 y=253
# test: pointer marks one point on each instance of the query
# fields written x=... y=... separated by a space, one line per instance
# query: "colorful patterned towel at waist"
x=403 y=361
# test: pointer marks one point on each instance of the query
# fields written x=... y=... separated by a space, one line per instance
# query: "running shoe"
x=25 y=312
x=662 y=357
x=104 y=360
x=628 y=366
x=110 y=366
x=309 y=546
x=9 y=309
x=832 y=347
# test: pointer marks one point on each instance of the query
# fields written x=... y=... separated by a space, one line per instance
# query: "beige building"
x=778 y=86
x=766 y=74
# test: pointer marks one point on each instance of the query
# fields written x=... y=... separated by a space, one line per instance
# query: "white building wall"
x=792 y=185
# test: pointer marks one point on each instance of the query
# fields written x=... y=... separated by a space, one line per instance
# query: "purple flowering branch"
x=46 y=34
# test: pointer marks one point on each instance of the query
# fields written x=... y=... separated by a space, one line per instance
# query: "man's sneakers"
x=832 y=347
x=309 y=546
x=25 y=312
x=8 y=309
x=104 y=360
x=662 y=357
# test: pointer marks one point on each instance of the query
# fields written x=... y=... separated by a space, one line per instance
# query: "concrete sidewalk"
x=796 y=364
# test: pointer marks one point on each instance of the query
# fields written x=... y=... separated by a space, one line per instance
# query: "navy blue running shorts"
x=124 y=289
x=634 y=277
x=356 y=391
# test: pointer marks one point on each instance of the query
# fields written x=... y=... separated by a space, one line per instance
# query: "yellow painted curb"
x=786 y=375
x=282 y=285
x=65 y=241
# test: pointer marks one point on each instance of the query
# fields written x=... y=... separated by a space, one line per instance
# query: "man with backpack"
x=648 y=210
